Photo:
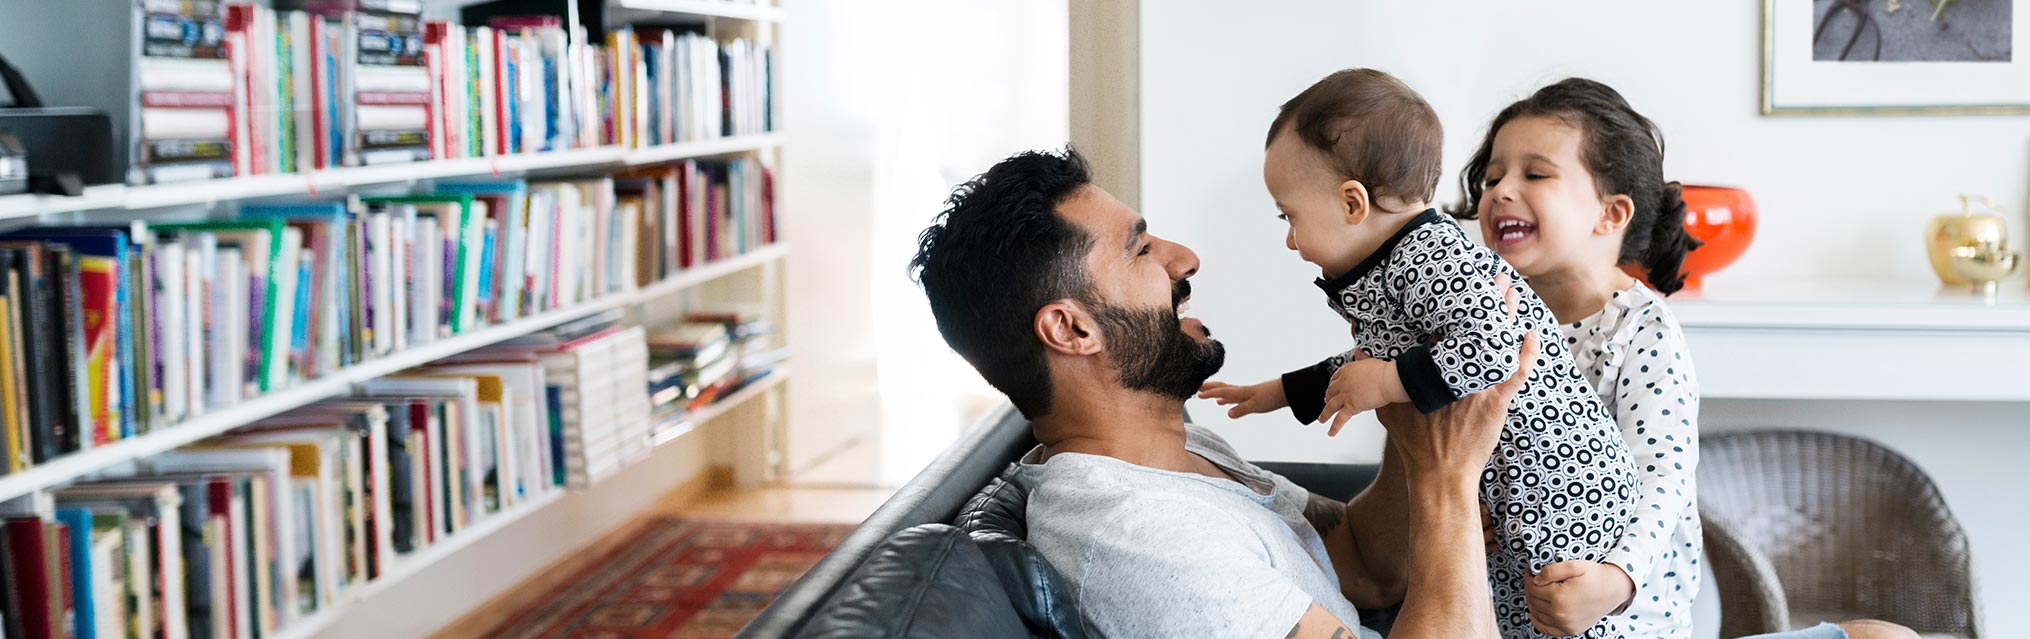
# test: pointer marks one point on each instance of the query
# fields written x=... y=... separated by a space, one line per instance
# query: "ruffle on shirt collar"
x=1381 y=253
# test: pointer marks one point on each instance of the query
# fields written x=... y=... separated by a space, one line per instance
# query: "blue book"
x=86 y=617
x=553 y=127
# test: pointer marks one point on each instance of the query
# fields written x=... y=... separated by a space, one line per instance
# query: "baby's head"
x=1350 y=160
x=1570 y=180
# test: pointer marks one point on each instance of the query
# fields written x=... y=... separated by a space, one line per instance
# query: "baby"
x=1353 y=163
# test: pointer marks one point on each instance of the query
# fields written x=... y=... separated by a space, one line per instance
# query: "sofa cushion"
x=994 y=519
x=927 y=581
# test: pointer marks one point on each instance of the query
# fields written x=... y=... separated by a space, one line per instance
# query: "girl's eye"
x=1536 y=176
x=1489 y=183
x=1283 y=216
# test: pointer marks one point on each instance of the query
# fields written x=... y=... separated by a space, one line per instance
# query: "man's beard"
x=1149 y=349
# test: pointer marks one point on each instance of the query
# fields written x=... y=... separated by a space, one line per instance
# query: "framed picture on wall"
x=1894 y=57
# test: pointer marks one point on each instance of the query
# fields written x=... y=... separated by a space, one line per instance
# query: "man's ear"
x=1065 y=327
x=1354 y=201
x=1614 y=215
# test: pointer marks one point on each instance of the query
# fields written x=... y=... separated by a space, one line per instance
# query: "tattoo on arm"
x=1324 y=514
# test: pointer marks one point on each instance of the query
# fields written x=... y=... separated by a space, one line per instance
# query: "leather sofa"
x=945 y=556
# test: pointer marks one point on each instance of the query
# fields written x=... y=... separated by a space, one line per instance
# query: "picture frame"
x=1855 y=57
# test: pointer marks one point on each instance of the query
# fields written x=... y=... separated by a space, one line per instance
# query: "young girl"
x=1568 y=188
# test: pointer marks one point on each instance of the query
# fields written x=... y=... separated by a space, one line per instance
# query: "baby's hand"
x=1360 y=386
x=1568 y=597
x=1248 y=400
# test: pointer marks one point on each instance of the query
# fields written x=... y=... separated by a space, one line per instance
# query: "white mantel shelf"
x=1898 y=340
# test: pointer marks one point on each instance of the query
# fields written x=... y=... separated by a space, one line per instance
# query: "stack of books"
x=183 y=125
x=594 y=371
x=687 y=363
x=710 y=355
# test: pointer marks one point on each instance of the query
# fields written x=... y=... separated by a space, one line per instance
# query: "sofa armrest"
x=933 y=496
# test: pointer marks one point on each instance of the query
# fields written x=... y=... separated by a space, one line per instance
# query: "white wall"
x=1841 y=198
x=891 y=103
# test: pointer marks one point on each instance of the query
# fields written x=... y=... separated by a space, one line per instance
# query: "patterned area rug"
x=677 y=579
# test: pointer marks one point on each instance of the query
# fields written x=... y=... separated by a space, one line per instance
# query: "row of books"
x=246 y=533
x=243 y=534
x=109 y=332
x=237 y=88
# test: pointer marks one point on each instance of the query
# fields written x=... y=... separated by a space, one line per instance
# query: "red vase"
x=1723 y=219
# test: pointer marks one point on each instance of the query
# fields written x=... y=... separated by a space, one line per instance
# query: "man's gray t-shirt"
x=1156 y=553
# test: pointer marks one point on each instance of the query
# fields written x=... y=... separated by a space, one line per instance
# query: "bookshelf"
x=72 y=467
x=541 y=525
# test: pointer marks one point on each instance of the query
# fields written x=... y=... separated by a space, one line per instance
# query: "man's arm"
x=1319 y=624
x=1443 y=454
x=1367 y=538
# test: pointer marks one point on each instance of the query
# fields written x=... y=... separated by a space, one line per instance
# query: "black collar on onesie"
x=1381 y=254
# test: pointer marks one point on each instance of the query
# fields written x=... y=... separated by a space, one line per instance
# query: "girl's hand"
x=1246 y=400
x=1568 y=597
x=1360 y=386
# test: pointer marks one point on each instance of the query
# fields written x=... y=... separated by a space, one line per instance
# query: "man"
x=1061 y=298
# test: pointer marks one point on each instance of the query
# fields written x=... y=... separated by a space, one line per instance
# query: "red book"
x=435 y=34
x=247 y=147
x=99 y=278
x=502 y=125
x=517 y=23
x=320 y=93
x=419 y=422
x=58 y=555
x=687 y=241
x=219 y=495
x=28 y=549
x=767 y=205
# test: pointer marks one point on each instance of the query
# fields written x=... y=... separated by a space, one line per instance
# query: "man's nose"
x=1179 y=259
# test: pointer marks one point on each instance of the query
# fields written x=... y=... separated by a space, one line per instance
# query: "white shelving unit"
x=707 y=8
x=1858 y=340
x=205 y=192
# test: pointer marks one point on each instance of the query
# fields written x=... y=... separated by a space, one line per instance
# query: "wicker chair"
x=1803 y=527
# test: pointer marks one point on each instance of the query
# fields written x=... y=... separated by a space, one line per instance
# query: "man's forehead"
x=1102 y=216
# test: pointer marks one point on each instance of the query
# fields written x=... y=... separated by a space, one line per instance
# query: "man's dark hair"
x=1371 y=127
x=997 y=254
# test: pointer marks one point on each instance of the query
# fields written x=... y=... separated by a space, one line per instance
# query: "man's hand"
x=1568 y=597
x=1246 y=400
x=1459 y=437
x=1360 y=386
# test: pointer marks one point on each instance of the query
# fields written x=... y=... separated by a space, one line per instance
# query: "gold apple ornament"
x=1986 y=233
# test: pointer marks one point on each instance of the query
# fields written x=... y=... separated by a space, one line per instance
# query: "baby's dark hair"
x=1372 y=128
x=1624 y=152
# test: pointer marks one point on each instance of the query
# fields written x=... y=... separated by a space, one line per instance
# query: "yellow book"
x=9 y=357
